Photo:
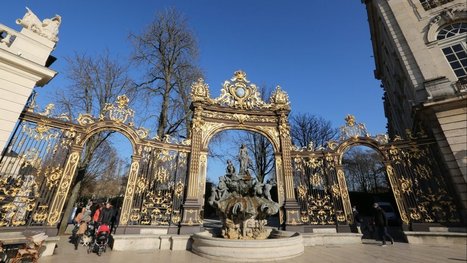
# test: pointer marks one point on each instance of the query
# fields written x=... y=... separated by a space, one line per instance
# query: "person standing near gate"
x=357 y=219
x=381 y=223
x=106 y=214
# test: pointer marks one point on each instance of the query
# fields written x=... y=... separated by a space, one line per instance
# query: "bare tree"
x=306 y=128
x=93 y=83
x=263 y=155
x=104 y=173
x=364 y=171
x=167 y=49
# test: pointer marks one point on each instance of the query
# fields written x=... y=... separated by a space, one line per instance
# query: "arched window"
x=453 y=44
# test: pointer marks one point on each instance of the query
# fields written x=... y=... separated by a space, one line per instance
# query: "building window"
x=454 y=47
x=429 y=4
x=452 y=30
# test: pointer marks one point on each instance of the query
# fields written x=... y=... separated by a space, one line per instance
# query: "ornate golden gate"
x=239 y=107
x=166 y=179
x=421 y=192
x=38 y=167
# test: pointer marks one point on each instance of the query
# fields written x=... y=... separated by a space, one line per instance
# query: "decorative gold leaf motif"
x=85 y=119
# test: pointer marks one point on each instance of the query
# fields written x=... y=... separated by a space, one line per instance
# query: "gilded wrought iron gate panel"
x=318 y=191
x=30 y=171
x=159 y=187
x=423 y=186
x=415 y=176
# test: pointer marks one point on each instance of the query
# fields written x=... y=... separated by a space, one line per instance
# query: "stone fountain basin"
x=280 y=246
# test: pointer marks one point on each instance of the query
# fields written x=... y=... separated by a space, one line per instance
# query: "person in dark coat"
x=106 y=214
x=357 y=219
x=381 y=223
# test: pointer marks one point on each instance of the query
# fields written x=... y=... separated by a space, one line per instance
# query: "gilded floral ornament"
x=280 y=98
x=316 y=179
x=406 y=185
x=41 y=214
x=352 y=130
x=241 y=118
x=118 y=112
x=240 y=94
x=199 y=91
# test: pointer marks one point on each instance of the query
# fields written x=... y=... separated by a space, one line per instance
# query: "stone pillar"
x=23 y=66
x=130 y=190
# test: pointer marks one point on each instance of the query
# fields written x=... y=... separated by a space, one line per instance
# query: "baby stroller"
x=100 y=240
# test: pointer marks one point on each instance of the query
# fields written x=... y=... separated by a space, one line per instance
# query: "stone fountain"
x=243 y=205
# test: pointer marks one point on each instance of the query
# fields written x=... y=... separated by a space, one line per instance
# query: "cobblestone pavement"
x=369 y=251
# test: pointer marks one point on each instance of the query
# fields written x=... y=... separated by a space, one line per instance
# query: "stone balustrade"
x=26 y=44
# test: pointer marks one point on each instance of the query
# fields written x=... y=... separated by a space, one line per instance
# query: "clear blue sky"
x=318 y=51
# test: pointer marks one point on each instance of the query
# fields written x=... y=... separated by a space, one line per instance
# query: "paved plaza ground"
x=369 y=251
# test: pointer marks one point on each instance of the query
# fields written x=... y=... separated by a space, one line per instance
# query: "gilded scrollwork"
x=320 y=211
x=238 y=117
x=52 y=175
x=118 y=112
x=85 y=119
x=406 y=185
x=352 y=129
x=142 y=133
x=40 y=216
x=130 y=188
x=40 y=131
x=63 y=188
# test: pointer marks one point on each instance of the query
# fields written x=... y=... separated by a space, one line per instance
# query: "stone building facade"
x=24 y=61
x=420 y=53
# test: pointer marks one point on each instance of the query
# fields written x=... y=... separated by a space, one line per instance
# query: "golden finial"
x=350 y=120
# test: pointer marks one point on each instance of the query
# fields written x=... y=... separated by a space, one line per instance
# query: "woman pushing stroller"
x=100 y=239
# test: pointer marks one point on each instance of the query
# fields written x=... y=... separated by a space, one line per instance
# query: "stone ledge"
x=49 y=244
x=131 y=242
x=181 y=242
x=322 y=239
x=442 y=238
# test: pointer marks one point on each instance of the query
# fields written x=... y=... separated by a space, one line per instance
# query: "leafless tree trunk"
x=167 y=49
x=263 y=155
x=93 y=83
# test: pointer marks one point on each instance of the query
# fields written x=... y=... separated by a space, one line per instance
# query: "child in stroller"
x=100 y=240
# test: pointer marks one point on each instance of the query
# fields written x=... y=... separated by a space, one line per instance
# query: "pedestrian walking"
x=357 y=219
x=381 y=223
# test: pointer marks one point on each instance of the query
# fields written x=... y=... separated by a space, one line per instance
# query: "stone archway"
x=238 y=107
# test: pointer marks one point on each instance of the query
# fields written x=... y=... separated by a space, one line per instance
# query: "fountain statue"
x=242 y=202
